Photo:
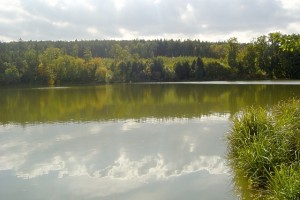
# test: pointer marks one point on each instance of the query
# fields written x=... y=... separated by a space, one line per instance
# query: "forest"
x=272 y=56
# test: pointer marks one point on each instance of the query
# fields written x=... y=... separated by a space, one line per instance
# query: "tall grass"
x=284 y=184
x=264 y=147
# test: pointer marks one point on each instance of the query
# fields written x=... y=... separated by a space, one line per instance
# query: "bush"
x=217 y=71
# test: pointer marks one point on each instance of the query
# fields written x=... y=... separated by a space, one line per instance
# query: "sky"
x=206 y=20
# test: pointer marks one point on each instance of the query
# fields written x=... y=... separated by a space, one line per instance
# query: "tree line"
x=272 y=56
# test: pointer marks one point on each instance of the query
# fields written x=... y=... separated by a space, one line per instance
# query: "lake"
x=124 y=141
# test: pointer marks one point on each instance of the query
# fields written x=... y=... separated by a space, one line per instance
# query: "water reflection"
x=116 y=159
x=136 y=101
x=127 y=141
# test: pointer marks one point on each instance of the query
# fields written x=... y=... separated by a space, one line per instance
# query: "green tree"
x=218 y=50
x=11 y=74
x=262 y=55
x=123 y=71
x=75 y=50
x=217 y=71
x=32 y=62
x=76 y=73
x=232 y=52
x=47 y=66
x=182 y=70
x=87 y=54
x=157 y=69
x=290 y=57
x=275 y=53
x=246 y=61
x=118 y=53
x=101 y=73
x=199 y=72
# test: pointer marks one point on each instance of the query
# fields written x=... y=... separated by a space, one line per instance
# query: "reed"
x=264 y=145
x=284 y=184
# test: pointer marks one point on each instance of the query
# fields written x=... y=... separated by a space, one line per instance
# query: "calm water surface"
x=128 y=141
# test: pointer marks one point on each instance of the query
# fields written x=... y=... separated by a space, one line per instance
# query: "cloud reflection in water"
x=99 y=159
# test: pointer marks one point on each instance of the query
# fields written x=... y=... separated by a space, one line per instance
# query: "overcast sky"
x=212 y=20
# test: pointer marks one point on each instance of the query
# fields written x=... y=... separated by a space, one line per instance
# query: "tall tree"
x=75 y=50
x=262 y=55
x=87 y=54
x=232 y=52
x=157 y=69
x=199 y=72
x=47 y=66
x=275 y=54
x=11 y=74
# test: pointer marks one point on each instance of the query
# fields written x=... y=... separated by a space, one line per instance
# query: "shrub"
x=217 y=71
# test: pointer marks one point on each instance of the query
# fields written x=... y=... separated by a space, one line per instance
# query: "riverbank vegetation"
x=275 y=56
x=264 y=151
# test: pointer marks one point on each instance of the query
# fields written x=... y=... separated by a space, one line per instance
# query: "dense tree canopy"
x=275 y=56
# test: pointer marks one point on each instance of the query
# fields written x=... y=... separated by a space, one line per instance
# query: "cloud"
x=130 y=19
